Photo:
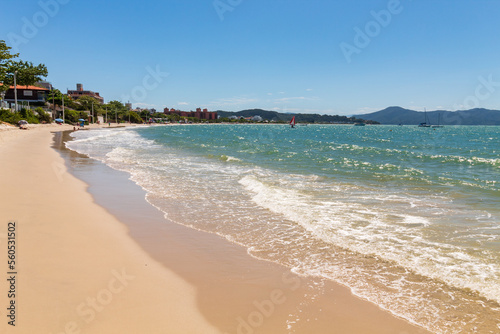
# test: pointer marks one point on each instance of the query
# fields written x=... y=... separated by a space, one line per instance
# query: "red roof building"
x=199 y=114
x=29 y=94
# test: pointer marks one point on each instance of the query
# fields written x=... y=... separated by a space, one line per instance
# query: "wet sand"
x=235 y=292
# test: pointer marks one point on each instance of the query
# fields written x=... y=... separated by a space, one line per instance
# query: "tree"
x=57 y=97
x=27 y=73
x=88 y=103
x=119 y=108
x=5 y=57
x=117 y=105
x=135 y=118
x=85 y=103
x=72 y=116
x=159 y=115
x=174 y=117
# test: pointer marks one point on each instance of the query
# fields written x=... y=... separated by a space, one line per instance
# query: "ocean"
x=408 y=218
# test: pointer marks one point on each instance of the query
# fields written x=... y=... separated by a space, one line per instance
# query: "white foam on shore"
x=388 y=247
x=371 y=232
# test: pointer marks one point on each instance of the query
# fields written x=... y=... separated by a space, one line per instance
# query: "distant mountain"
x=398 y=115
x=286 y=117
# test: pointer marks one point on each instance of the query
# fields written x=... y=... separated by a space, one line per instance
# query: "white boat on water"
x=439 y=122
x=426 y=123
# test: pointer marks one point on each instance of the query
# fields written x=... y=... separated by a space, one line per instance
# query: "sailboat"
x=425 y=124
x=292 y=122
x=439 y=122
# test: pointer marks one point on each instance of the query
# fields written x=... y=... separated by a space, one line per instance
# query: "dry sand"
x=124 y=269
x=78 y=271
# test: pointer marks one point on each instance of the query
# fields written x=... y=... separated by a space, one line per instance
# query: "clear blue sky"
x=284 y=55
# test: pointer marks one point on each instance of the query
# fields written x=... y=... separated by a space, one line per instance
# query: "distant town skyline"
x=328 y=57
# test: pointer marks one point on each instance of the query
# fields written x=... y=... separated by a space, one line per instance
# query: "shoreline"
x=78 y=271
x=221 y=263
x=227 y=289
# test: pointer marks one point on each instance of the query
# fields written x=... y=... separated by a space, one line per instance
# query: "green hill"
x=398 y=115
x=299 y=118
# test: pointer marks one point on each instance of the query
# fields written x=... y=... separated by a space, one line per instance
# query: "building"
x=200 y=114
x=75 y=94
x=44 y=84
x=26 y=95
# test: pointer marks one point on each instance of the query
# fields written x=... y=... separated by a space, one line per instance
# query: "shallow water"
x=407 y=217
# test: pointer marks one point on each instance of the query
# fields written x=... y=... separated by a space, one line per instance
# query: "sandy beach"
x=77 y=269
x=92 y=256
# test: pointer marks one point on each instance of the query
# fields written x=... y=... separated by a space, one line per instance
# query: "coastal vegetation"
x=278 y=117
x=26 y=73
x=39 y=116
x=22 y=73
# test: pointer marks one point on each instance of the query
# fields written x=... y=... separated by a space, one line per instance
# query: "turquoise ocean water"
x=406 y=217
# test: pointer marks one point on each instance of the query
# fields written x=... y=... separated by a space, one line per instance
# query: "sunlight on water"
x=408 y=218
